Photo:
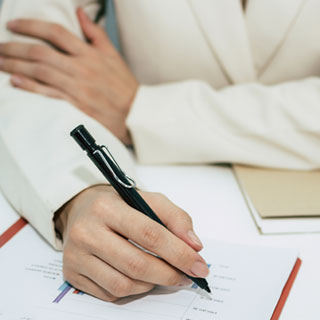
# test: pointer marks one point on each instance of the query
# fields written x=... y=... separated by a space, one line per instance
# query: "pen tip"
x=208 y=289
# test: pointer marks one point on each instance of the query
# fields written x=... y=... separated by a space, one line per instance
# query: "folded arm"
x=186 y=122
x=190 y=122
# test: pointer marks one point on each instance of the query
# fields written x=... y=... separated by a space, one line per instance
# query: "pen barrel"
x=84 y=139
x=130 y=195
x=139 y=204
x=201 y=282
x=98 y=161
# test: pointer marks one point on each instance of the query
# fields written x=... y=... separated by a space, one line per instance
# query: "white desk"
x=212 y=197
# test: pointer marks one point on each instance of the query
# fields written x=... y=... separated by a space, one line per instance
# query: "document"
x=282 y=225
x=246 y=283
x=281 y=201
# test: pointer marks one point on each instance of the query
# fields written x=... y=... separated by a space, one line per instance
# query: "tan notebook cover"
x=281 y=193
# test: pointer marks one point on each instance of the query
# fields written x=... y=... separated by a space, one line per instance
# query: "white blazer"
x=218 y=85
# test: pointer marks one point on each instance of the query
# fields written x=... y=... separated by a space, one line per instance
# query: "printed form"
x=246 y=283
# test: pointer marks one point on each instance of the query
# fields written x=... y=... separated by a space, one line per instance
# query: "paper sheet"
x=246 y=283
x=282 y=225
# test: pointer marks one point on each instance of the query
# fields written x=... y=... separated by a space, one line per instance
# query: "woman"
x=200 y=82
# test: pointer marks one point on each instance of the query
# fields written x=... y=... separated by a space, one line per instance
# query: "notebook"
x=281 y=193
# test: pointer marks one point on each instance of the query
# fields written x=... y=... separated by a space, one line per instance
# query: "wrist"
x=62 y=216
x=60 y=221
x=67 y=214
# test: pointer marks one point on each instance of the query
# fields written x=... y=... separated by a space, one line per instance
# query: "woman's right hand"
x=99 y=260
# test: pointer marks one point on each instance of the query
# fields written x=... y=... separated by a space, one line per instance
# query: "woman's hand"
x=98 y=258
x=92 y=76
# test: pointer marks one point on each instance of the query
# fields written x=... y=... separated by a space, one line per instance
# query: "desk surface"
x=212 y=197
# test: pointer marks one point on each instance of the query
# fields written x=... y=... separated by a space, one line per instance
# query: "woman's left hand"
x=92 y=76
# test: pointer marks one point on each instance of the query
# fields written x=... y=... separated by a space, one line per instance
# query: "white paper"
x=246 y=283
x=283 y=225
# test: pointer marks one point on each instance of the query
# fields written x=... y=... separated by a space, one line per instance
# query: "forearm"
x=190 y=122
x=40 y=167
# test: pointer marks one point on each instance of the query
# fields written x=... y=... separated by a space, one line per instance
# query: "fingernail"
x=80 y=9
x=184 y=282
x=11 y=24
x=16 y=80
x=200 y=269
x=194 y=238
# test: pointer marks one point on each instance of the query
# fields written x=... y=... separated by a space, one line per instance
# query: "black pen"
x=124 y=185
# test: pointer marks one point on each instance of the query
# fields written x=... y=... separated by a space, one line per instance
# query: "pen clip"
x=131 y=181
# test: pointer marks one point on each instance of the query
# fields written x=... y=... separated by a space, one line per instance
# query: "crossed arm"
x=91 y=76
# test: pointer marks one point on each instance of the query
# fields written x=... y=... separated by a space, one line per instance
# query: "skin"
x=98 y=258
x=97 y=223
x=92 y=76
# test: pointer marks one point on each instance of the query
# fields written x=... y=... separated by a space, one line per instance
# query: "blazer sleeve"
x=41 y=168
x=190 y=122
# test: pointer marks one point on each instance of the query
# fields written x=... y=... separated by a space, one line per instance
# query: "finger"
x=93 y=32
x=112 y=280
x=40 y=53
x=133 y=262
x=176 y=219
x=40 y=72
x=84 y=284
x=155 y=238
x=30 y=85
x=53 y=33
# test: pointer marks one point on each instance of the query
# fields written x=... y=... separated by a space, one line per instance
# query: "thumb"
x=176 y=219
x=93 y=32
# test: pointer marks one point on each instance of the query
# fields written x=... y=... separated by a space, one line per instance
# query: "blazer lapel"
x=268 y=23
x=223 y=26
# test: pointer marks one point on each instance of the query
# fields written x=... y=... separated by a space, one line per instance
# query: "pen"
x=125 y=186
